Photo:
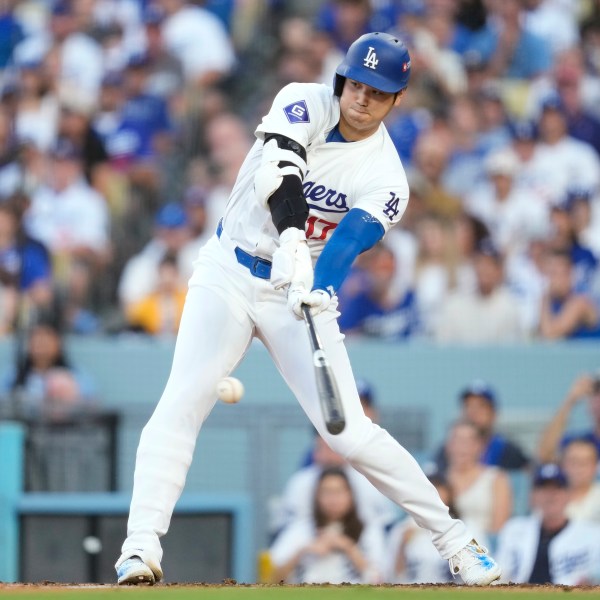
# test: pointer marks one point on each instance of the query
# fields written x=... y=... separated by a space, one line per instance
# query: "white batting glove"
x=291 y=261
x=318 y=300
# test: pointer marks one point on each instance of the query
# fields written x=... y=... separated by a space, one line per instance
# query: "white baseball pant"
x=225 y=307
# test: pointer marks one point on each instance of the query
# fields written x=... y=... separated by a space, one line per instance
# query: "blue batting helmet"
x=379 y=60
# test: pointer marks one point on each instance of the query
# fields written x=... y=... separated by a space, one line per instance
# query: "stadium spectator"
x=482 y=493
x=76 y=56
x=579 y=461
x=435 y=270
x=195 y=200
x=565 y=313
x=579 y=96
x=160 y=312
x=380 y=309
x=410 y=556
x=74 y=124
x=440 y=65
x=525 y=144
x=518 y=53
x=295 y=502
x=563 y=238
x=553 y=438
x=198 y=39
x=44 y=382
x=488 y=314
x=11 y=33
x=546 y=547
x=469 y=232
x=465 y=165
x=494 y=128
x=346 y=20
x=25 y=268
x=11 y=171
x=479 y=405
x=66 y=214
x=144 y=131
x=37 y=107
x=585 y=219
x=505 y=208
x=334 y=545
x=563 y=160
x=431 y=157
x=555 y=22
x=165 y=71
x=139 y=277
x=525 y=276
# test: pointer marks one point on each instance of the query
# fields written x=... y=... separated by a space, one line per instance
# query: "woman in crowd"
x=334 y=546
x=482 y=493
x=44 y=383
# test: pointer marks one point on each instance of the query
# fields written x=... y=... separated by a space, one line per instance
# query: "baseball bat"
x=329 y=395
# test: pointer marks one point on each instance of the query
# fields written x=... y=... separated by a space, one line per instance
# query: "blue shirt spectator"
x=379 y=309
x=10 y=35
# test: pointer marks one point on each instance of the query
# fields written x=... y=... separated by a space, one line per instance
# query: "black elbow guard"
x=288 y=205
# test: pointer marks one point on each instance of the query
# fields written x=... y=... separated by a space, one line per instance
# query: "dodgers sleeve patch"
x=297 y=112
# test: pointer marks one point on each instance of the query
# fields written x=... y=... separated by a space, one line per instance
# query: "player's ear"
x=398 y=97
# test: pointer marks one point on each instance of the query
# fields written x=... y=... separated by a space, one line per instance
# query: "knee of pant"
x=374 y=449
x=352 y=438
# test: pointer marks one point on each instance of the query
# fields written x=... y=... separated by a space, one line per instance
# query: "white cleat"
x=474 y=565
x=134 y=571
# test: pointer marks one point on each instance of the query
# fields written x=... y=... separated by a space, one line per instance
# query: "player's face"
x=363 y=108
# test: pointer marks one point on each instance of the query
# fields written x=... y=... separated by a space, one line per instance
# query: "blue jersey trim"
x=335 y=136
x=358 y=231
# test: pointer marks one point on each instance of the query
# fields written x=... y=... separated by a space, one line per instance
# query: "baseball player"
x=322 y=183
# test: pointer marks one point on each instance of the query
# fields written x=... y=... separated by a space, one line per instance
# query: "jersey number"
x=391 y=209
x=317 y=229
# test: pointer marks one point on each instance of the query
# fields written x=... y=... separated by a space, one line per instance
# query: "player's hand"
x=291 y=261
x=318 y=300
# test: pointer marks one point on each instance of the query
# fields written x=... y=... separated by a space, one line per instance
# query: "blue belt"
x=259 y=267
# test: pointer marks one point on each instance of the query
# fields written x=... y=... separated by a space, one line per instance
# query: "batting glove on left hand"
x=318 y=300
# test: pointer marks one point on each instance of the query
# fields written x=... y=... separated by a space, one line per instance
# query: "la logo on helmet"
x=371 y=59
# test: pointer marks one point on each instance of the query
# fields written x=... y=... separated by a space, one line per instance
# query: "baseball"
x=230 y=390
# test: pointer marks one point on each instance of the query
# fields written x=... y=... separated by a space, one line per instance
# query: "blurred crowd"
x=123 y=124
x=539 y=510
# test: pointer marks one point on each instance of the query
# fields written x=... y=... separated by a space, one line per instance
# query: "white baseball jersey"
x=366 y=174
x=573 y=555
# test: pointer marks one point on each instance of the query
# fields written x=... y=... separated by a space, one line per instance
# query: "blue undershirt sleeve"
x=358 y=231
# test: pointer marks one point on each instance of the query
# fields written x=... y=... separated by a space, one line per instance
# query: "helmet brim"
x=368 y=77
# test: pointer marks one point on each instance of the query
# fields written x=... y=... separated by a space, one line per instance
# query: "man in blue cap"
x=479 y=406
